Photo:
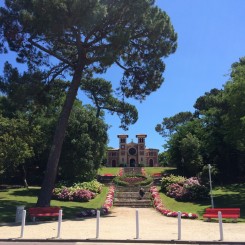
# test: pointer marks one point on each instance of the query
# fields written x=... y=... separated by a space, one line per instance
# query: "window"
x=123 y=141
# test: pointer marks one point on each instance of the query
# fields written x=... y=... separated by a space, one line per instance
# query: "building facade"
x=132 y=154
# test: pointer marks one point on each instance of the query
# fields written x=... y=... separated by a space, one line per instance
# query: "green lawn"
x=154 y=170
x=108 y=170
x=227 y=196
x=11 y=198
x=149 y=170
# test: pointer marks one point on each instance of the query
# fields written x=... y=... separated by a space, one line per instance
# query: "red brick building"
x=132 y=154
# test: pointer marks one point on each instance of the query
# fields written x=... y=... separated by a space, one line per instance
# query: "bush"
x=189 y=190
x=81 y=192
x=172 y=179
x=93 y=186
x=135 y=180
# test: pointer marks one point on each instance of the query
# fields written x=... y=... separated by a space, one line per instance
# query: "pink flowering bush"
x=188 y=190
x=104 y=209
x=83 y=195
x=80 y=192
x=157 y=203
x=71 y=194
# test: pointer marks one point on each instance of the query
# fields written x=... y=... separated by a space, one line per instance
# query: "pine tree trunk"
x=45 y=194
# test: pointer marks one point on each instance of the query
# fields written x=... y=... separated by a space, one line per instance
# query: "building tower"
x=122 y=149
x=141 y=149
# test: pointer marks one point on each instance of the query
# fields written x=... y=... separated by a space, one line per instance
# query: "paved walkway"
x=120 y=224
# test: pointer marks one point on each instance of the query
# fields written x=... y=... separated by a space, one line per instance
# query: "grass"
x=149 y=170
x=154 y=170
x=108 y=170
x=11 y=198
x=232 y=196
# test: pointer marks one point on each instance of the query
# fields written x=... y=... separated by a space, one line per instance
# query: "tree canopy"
x=215 y=134
x=84 y=37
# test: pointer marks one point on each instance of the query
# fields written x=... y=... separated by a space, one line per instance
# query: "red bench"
x=43 y=212
x=227 y=213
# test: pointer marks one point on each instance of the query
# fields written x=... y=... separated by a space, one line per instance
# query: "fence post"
x=179 y=225
x=98 y=224
x=23 y=223
x=59 y=223
x=220 y=226
x=137 y=224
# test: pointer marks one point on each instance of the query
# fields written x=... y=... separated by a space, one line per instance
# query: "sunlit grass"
x=11 y=198
x=230 y=196
x=108 y=170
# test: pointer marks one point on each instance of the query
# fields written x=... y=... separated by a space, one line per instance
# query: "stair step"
x=131 y=188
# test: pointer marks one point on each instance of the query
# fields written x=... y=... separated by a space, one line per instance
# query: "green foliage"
x=132 y=180
x=82 y=192
x=93 y=186
x=17 y=142
x=11 y=198
x=213 y=134
x=168 y=180
x=84 y=146
x=189 y=190
x=84 y=38
x=101 y=93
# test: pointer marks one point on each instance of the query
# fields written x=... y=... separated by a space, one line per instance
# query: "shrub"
x=93 y=186
x=189 y=190
x=81 y=192
x=83 y=195
x=168 y=180
x=135 y=180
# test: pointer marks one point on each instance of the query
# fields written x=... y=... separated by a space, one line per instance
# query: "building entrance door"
x=113 y=163
x=132 y=162
x=151 y=163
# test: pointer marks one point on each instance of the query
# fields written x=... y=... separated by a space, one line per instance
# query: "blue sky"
x=211 y=36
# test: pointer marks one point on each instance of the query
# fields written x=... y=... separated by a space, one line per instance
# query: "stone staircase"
x=129 y=197
x=132 y=170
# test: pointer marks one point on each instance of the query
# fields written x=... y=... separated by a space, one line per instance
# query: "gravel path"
x=120 y=224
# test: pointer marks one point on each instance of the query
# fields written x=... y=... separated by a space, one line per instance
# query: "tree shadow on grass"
x=26 y=192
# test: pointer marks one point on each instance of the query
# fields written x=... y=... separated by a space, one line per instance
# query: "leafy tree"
x=84 y=133
x=163 y=158
x=84 y=145
x=86 y=37
x=169 y=125
x=215 y=135
x=191 y=157
x=17 y=141
x=234 y=119
x=101 y=93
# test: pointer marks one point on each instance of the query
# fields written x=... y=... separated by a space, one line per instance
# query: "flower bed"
x=105 y=208
x=132 y=180
x=157 y=203
x=156 y=175
x=120 y=172
x=79 y=192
